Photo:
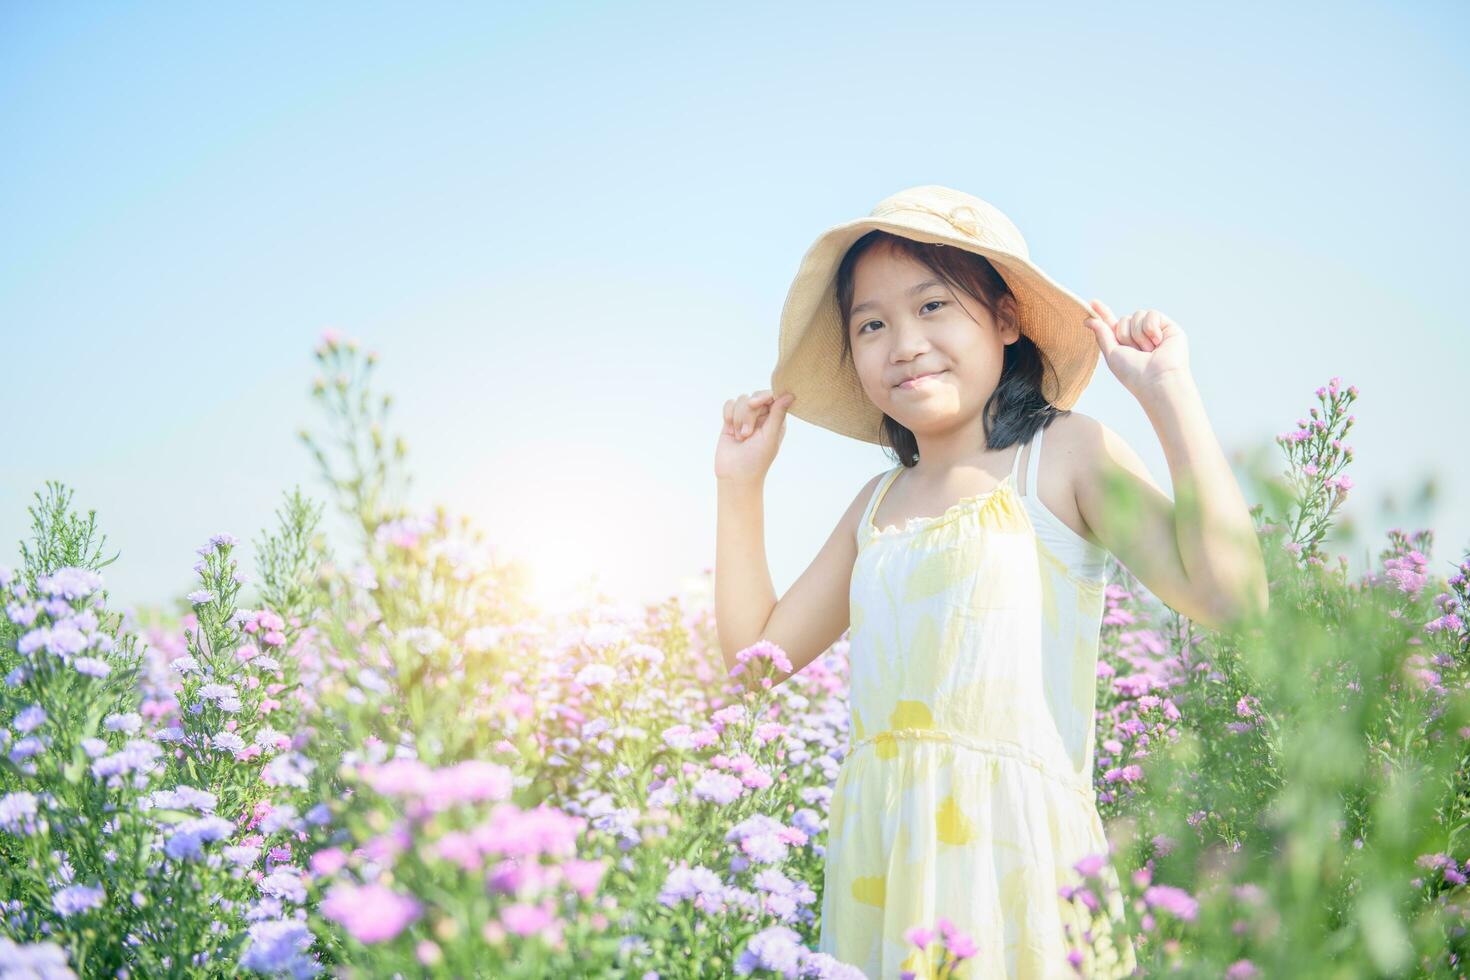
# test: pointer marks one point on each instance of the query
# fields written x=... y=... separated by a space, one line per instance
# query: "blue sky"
x=568 y=230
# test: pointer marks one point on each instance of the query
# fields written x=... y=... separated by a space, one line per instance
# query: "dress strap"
x=1016 y=468
x=1033 y=465
x=882 y=488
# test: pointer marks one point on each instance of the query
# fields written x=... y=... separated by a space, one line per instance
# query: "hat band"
x=963 y=217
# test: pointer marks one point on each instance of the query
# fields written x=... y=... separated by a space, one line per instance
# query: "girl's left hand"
x=1141 y=348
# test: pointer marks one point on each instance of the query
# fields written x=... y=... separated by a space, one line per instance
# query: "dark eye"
x=932 y=302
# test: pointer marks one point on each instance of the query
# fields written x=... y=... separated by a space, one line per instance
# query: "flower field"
x=375 y=757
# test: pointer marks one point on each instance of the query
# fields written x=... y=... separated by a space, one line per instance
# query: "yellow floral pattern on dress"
x=966 y=791
x=869 y=891
x=953 y=826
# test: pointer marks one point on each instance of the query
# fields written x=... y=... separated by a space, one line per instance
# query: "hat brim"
x=828 y=393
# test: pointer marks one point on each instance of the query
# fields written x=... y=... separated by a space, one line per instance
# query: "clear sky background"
x=568 y=230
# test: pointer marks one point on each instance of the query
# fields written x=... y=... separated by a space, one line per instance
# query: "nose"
x=909 y=340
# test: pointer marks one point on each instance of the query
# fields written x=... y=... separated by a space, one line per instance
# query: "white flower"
x=228 y=742
x=594 y=675
x=424 y=639
x=129 y=723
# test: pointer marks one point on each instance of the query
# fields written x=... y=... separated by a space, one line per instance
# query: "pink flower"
x=328 y=862
x=1090 y=865
x=1173 y=900
x=370 y=913
x=729 y=715
x=526 y=833
x=961 y=946
x=769 y=730
x=920 y=936
x=756 y=651
x=585 y=876
x=524 y=920
x=458 y=848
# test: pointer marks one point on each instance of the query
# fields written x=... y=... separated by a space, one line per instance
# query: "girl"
x=971 y=575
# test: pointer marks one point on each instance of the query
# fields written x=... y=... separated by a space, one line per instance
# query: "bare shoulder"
x=1092 y=451
x=1073 y=438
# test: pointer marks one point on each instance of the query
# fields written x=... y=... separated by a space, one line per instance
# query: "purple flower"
x=18 y=813
x=241 y=855
x=685 y=882
x=776 y=948
x=200 y=596
x=773 y=881
x=70 y=583
x=45 y=961
x=285 y=883
x=77 y=898
x=281 y=818
x=183 y=798
x=62 y=639
x=92 y=666
x=22 y=614
x=280 y=946
x=29 y=719
x=718 y=787
x=138 y=755
x=187 y=842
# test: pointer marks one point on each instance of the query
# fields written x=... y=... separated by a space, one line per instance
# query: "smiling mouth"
x=911 y=382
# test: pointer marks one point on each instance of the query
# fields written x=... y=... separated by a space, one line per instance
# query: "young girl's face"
x=907 y=321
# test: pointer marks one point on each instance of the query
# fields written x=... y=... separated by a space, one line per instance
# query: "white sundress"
x=967 y=790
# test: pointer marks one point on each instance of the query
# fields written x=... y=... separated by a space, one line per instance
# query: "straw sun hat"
x=810 y=363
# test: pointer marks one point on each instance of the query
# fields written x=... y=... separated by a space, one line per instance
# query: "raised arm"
x=814 y=612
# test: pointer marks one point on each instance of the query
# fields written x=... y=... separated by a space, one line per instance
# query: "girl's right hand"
x=754 y=427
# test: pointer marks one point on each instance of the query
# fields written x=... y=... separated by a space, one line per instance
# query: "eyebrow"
x=917 y=288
